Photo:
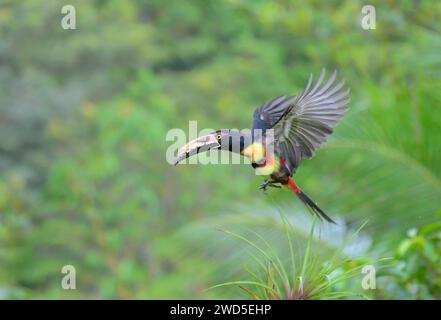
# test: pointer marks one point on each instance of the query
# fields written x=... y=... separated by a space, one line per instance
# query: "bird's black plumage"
x=302 y=123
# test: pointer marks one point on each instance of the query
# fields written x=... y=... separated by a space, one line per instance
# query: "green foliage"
x=84 y=114
x=418 y=271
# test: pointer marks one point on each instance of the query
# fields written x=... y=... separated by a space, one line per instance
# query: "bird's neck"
x=237 y=142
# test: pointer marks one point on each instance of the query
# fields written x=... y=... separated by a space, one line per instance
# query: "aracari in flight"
x=299 y=126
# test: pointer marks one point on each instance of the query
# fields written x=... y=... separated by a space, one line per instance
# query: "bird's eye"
x=218 y=137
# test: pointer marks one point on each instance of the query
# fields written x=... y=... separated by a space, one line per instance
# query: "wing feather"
x=302 y=123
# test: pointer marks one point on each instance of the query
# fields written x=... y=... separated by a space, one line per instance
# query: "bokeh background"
x=84 y=114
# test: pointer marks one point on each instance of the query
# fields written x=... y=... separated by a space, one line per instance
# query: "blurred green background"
x=84 y=114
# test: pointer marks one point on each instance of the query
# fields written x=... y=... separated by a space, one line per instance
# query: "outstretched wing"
x=302 y=123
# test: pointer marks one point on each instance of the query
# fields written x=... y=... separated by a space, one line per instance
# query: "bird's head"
x=229 y=140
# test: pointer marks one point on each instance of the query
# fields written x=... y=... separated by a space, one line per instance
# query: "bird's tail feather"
x=308 y=202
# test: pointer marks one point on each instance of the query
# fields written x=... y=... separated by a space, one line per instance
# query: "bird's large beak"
x=196 y=146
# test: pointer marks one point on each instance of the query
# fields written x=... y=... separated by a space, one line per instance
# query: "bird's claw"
x=268 y=183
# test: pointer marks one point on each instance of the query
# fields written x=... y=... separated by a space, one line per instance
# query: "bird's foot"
x=268 y=183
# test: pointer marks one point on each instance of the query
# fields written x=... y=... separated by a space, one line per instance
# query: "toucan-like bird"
x=291 y=127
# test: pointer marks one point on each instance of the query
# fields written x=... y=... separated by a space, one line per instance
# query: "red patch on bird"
x=283 y=162
x=294 y=186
